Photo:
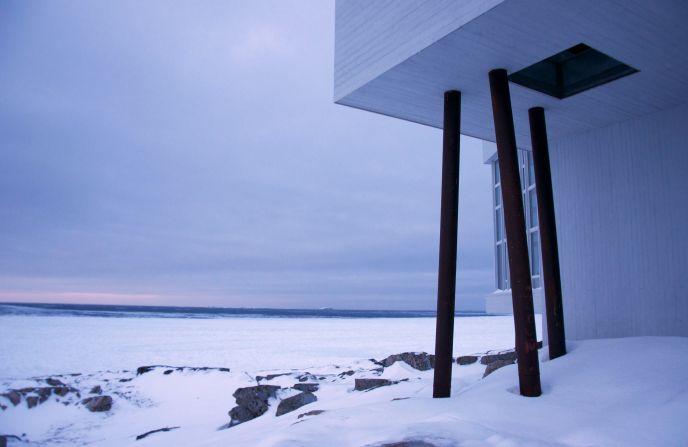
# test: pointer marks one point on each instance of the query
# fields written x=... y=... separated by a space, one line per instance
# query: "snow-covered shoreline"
x=629 y=392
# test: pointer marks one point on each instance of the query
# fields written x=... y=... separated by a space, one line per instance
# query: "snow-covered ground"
x=617 y=392
x=43 y=345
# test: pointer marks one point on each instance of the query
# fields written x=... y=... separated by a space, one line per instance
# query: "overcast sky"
x=189 y=153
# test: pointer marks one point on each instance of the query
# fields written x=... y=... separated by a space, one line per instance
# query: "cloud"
x=192 y=155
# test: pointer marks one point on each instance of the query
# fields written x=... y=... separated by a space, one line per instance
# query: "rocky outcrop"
x=159 y=430
x=369 y=384
x=13 y=396
x=146 y=369
x=295 y=402
x=270 y=376
x=54 y=382
x=494 y=366
x=467 y=359
x=306 y=387
x=98 y=403
x=251 y=402
x=421 y=361
x=96 y=390
x=310 y=413
x=509 y=356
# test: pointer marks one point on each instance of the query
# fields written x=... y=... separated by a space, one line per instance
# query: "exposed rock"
x=98 y=403
x=305 y=377
x=295 y=402
x=506 y=355
x=54 y=382
x=347 y=373
x=168 y=372
x=126 y=380
x=369 y=384
x=13 y=396
x=32 y=401
x=270 y=376
x=310 y=413
x=146 y=369
x=43 y=393
x=421 y=361
x=251 y=402
x=494 y=366
x=62 y=390
x=467 y=359
x=96 y=390
x=139 y=437
x=307 y=387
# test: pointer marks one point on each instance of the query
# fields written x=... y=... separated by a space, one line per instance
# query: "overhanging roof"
x=650 y=36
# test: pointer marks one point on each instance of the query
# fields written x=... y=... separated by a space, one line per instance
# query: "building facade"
x=617 y=134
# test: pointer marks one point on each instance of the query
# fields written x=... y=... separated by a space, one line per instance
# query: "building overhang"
x=513 y=34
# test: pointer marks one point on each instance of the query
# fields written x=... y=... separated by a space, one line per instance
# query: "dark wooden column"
x=446 y=278
x=517 y=243
x=548 y=234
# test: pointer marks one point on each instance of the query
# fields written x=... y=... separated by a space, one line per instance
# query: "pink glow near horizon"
x=82 y=298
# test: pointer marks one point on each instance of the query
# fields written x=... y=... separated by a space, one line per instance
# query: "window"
x=571 y=71
x=529 y=198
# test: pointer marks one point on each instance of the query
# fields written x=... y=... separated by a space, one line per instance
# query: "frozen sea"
x=44 y=340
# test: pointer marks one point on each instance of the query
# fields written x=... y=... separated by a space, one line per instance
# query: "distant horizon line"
x=151 y=306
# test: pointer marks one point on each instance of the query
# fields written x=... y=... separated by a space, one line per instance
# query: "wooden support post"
x=517 y=244
x=446 y=280
x=548 y=234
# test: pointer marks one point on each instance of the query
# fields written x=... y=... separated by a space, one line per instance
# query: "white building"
x=611 y=77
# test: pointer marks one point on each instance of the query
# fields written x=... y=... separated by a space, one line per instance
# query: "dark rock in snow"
x=310 y=413
x=148 y=433
x=168 y=372
x=369 y=384
x=467 y=359
x=295 y=402
x=32 y=401
x=251 y=402
x=144 y=369
x=96 y=390
x=307 y=387
x=126 y=380
x=270 y=376
x=98 y=403
x=494 y=366
x=63 y=390
x=13 y=396
x=43 y=393
x=347 y=373
x=506 y=356
x=54 y=382
x=421 y=361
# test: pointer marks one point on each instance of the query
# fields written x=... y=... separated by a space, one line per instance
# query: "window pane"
x=536 y=282
x=533 y=208
x=531 y=169
x=498 y=266
x=498 y=224
x=496 y=172
x=535 y=253
x=498 y=196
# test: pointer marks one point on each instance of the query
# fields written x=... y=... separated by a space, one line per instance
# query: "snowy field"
x=43 y=345
x=617 y=392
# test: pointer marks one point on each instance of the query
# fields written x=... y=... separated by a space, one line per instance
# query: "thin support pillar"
x=517 y=244
x=446 y=281
x=548 y=234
